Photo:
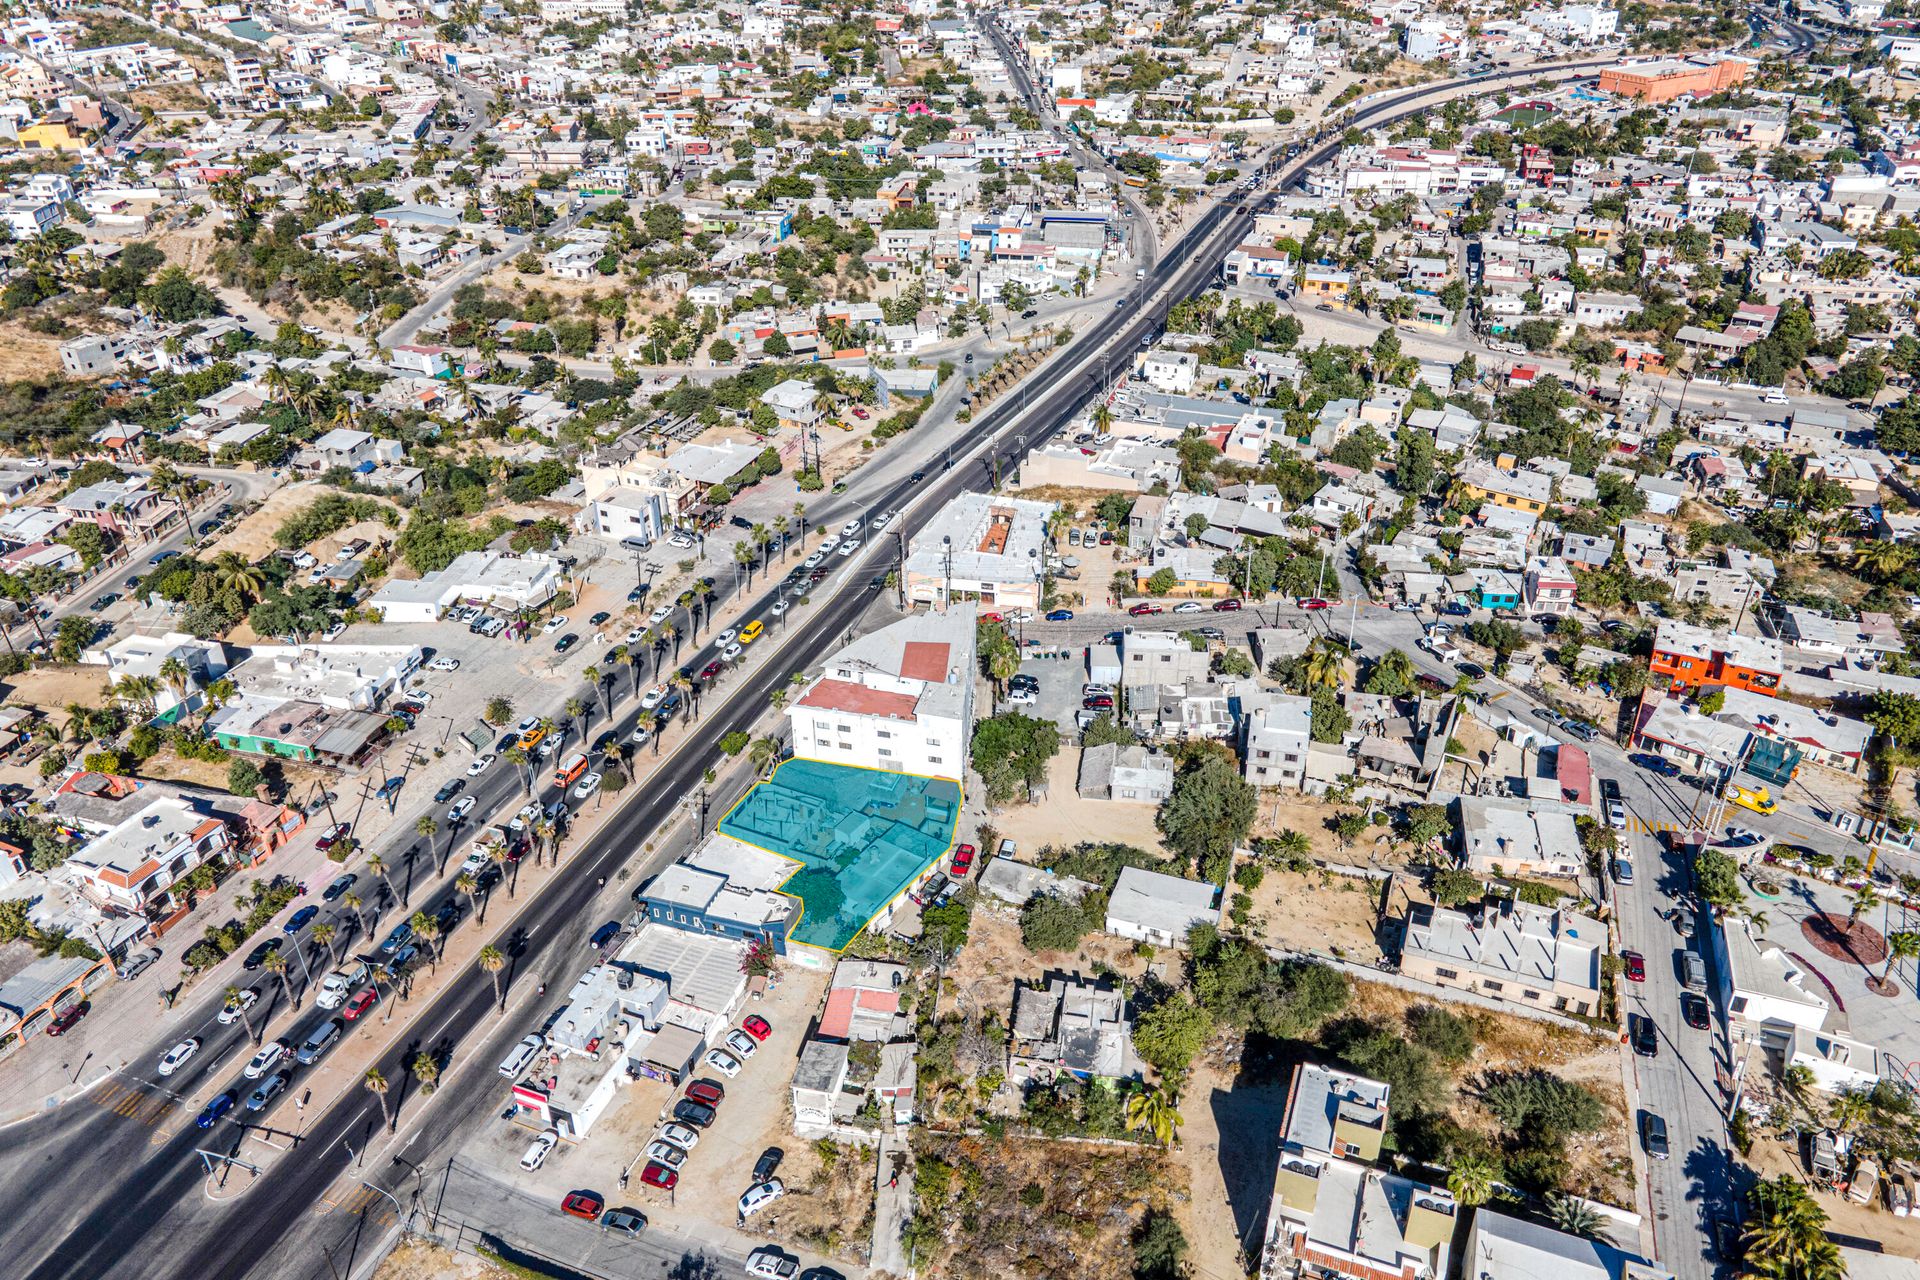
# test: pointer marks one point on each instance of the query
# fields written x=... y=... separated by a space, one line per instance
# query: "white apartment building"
x=1274 y=743
x=900 y=699
x=132 y=867
x=984 y=546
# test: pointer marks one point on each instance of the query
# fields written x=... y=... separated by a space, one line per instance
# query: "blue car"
x=1657 y=764
x=298 y=920
x=217 y=1108
x=401 y=935
x=1060 y=615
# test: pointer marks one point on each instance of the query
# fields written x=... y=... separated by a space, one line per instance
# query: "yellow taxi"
x=751 y=632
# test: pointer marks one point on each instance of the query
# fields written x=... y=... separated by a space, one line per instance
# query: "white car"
x=727 y=637
x=741 y=1044
x=761 y=1195
x=1094 y=690
x=882 y=520
x=731 y=652
x=779 y=607
x=540 y=1149
x=231 y=1011
x=850 y=528
x=652 y=697
x=586 y=786
x=527 y=726
x=667 y=1154
x=771 y=1264
x=660 y=615
x=848 y=547
x=178 y=1055
x=459 y=809
x=681 y=1135
x=479 y=766
x=828 y=547
x=1022 y=698
x=815 y=560
x=638 y=736
x=1020 y=615
x=553 y=624
x=1189 y=606
x=263 y=1061
x=444 y=664
x=547 y=749
x=723 y=1062
x=634 y=635
x=420 y=696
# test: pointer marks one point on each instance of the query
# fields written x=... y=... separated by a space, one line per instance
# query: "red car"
x=64 y=1023
x=658 y=1175
x=707 y=1091
x=1142 y=610
x=962 y=860
x=709 y=671
x=359 y=1004
x=583 y=1204
x=757 y=1027
x=860 y=413
x=1226 y=606
x=1636 y=966
x=1314 y=602
x=1097 y=702
x=991 y=617
x=331 y=836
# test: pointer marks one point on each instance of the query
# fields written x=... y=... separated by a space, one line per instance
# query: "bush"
x=1049 y=923
x=1159 y=1248
x=1453 y=887
x=734 y=743
x=1450 y=1037
x=244 y=777
x=1540 y=1105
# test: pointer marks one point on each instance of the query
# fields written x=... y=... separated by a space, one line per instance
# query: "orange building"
x=1670 y=78
x=1688 y=657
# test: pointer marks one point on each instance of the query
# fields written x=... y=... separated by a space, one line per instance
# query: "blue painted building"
x=705 y=896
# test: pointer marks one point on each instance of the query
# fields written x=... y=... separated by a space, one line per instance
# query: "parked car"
x=756 y=1026
x=582 y=1204
x=760 y=1195
x=697 y=1114
x=741 y=1045
x=658 y=1175
x=68 y=1017
x=680 y=1135
x=1227 y=606
x=1694 y=1012
x=1653 y=1135
x=1645 y=1036
x=1144 y=610
x=1060 y=615
x=628 y=1222
x=707 y=1091
x=1655 y=764
x=1635 y=964
x=768 y=1163
x=772 y=1264
x=962 y=861
x=539 y=1149
x=723 y=1062
x=662 y=1152
x=333 y=835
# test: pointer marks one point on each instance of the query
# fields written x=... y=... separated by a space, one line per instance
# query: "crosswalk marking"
x=130 y=1101
x=1640 y=825
x=358 y=1200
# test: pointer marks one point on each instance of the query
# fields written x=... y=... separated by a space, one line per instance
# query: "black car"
x=697 y=1114
x=447 y=916
x=768 y=1163
x=506 y=740
x=449 y=789
x=565 y=642
x=1653 y=1134
x=598 y=618
x=339 y=887
x=1472 y=670
x=1646 y=1040
x=1693 y=1009
x=606 y=742
x=106 y=601
x=258 y=956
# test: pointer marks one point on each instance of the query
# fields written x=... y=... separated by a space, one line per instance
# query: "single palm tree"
x=233 y=573
x=324 y=934
x=1471 y=1180
x=521 y=760
x=763 y=754
x=497 y=855
x=276 y=964
x=1865 y=898
x=376 y=1084
x=235 y=996
x=466 y=884
x=492 y=960
x=576 y=714
x=1326 y=665
x=546 y=839
x=426 y=826
x=426 y=1070
x=651 y=723
x=353 y=904
x=1785 y=1236
x=1901 y=945
x=1575 y=1215
x=427 y=929
x=1153 y=1110
x=378 y=865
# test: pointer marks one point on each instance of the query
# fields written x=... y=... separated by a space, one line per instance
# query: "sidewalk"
x=892 y=1206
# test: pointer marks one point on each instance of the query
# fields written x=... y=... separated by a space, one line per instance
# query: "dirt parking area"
x=252 y=536
x=1063 y=818
x=1317 y=911
x=52 y=688
x=1231 y=1175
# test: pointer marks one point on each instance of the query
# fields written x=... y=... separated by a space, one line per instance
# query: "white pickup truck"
x=338 y=985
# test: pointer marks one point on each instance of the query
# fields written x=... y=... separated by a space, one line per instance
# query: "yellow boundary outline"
x=800 y=865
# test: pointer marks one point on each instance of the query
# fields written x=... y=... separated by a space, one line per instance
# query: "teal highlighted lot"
x=860 y=837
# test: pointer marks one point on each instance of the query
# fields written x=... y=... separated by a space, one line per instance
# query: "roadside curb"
x=60 y=1098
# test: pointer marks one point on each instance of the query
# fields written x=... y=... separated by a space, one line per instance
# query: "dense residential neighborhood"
x=892 y=640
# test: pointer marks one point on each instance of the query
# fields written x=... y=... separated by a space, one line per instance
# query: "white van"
x=523 y=1053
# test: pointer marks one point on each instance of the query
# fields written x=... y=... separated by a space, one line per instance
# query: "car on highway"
x=178 y=1056
x=264 y=1061
x=752 y=631
x=258 y=956
x=628 y=1222
x=242 y=1001
x=1758 y=799
x=105 y=602
x=723 y=1062
x=1655 y=764
x=458 y=811
x=586 y=786
x=268 y=1090
x=360 y=1003
x=300 y=919
x=732 y=652
x=1312 y=603
x=659 y=1175
x=449 y=789
x=1635 y=965
x=332 y=836
x=339 y=887
x=1060 y=615
x=711 y=670
x=402 y=934
x=1645 y=1036
x=771 y=1263
x=582 y=1204
x=221 y=1104
x=760 y=1195
x=539 y=1149
x=479 y=766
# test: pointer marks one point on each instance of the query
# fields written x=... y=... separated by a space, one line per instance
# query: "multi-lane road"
x=84 y=1197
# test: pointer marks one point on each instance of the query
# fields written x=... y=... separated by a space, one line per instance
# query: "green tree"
x=1170 y=1034
x=1153 y=1110
x=1010 y=753
x=1050 y=923
x=244 y=777
x=1208 y=814
x=1454 y=887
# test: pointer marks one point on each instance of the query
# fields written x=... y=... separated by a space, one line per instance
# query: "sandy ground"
x=26 y=354
x=418 y=1260
x=1317 y=911
x=51 y=687
x=1063 y=818
x=252 y=535
x=1232 y=1188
